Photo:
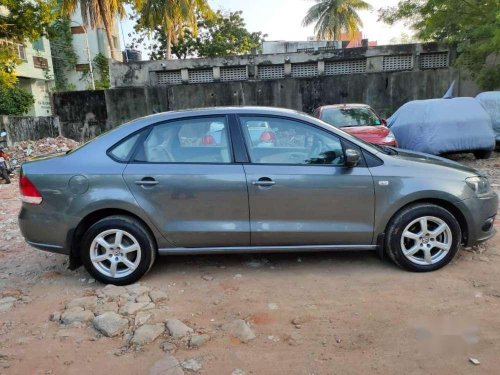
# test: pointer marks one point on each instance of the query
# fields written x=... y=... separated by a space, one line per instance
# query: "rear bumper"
x=48 y=232
x=480 y=213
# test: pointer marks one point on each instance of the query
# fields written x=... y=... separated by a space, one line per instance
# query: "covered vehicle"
x=490 y=101
x=439 y=126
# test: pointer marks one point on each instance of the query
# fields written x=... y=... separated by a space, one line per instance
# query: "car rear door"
x=184 y=177
x=300 y=192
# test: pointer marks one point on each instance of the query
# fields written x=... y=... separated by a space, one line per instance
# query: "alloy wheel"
x=426 y=240
x=115 y=253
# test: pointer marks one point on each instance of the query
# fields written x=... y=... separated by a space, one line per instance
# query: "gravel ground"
x=326 y=313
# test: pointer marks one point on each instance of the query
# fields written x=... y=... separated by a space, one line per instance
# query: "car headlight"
x=389 y=137
x=480 y=185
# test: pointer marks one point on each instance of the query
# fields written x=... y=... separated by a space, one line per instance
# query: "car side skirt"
x=263 y=249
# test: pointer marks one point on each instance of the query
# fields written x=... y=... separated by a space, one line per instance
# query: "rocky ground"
x=326 y=313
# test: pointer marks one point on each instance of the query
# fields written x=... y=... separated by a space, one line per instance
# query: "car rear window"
x=347 y=117
x=122 y=151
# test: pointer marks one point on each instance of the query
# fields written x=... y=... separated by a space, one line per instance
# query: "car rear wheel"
x=118 y=250
x=423 y=237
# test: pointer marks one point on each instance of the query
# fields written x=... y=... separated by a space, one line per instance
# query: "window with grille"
x=172 y=77
x=397 y=62
x=271 y=71
x=434 y=60
x=233 y=73
x=305 y=50
x=305 y=70
x=201 y=75
x=40 y=62
x=345 y=67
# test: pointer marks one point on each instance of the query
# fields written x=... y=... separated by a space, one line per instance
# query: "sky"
x=282 y=19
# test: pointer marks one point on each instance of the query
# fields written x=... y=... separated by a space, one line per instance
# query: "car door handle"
x=147 y=181
x=264 y=181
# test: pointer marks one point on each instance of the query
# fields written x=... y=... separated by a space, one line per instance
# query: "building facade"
x=79 y=77
x=36 y=74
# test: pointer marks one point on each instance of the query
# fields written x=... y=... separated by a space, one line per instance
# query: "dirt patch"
x=327 y=313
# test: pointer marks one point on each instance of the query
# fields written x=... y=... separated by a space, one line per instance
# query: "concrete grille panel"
x=201 y=75
x=305 y=70
x=434 y=60
x=397 y=62
x=236 y=73
x=345 y=67
x=271 y=71
x=169 y=78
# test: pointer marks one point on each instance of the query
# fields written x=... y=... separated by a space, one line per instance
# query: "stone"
x=157 y=316
x=6 y=303
x=143 y=298
x=11 y=292
x=207 y=277
x=168 y=365
x=113 y=291
x=131 y=308
x=178 y=329
x=168 y=347
x=239 y=328
x=137 y=289
x=198 y=340
x=142 y=317
x=76 y=315
x=238 y=371
x=110 y=324
x=272 y=306
x=158 y=296
x=88 y=303
x=101 y=308
x=55 y=316
x=191 y=365
x=7 y=300
x=147 y=333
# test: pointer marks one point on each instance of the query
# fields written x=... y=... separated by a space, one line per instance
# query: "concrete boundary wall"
x=20 y=128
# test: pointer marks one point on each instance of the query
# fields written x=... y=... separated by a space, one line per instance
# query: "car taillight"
x=208 y=140
x=267 y=137
x=29 y=192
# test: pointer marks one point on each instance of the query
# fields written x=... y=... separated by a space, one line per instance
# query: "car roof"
x=345 y=105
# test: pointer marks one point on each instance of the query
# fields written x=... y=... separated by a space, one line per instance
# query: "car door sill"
x=262 y=249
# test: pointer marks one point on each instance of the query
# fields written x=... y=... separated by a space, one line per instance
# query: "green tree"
x=97 y=13
x=170 y=17
x=15 y=101
x=64 y=57
x=218 y=35
x=20 y=21
x=334 y=17
x=472 y=25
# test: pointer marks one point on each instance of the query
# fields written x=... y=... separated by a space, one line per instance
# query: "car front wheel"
x=423 y=237
x=118 y=250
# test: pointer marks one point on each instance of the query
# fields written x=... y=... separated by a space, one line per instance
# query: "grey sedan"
x=201 y=181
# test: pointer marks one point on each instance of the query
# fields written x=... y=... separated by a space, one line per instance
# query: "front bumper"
x=480 y=213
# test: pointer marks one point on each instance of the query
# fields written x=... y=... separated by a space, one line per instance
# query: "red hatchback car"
x=359 y=120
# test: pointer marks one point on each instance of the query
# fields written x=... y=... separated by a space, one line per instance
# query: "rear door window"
x=196 y=140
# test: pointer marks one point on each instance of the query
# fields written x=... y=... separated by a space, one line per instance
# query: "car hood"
x=367 y=131
x=421 y=157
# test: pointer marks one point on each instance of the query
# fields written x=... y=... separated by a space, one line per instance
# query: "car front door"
x=183 y=176
x=300 y=191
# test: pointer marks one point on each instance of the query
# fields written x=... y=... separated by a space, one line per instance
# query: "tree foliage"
x=64 y=57
x=218 y=35
x=333 y=17
x=15 y=101
x=20 y=21
x=168 y=18
x=472 y=25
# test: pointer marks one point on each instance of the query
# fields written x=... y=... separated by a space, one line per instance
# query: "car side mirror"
x=352 y=157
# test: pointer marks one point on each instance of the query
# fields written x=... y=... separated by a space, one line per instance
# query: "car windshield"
x=348 y=117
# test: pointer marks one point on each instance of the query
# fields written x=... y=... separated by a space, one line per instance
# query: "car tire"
x=118 y=250
x=423 y=237
x=483 y=154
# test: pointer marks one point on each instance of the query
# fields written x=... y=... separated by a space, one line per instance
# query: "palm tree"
x=97 y=13
x=170 y=16
x=333 y=17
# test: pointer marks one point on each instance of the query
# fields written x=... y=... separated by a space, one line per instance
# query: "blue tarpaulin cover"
x=437 y=126
x=490 y=101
